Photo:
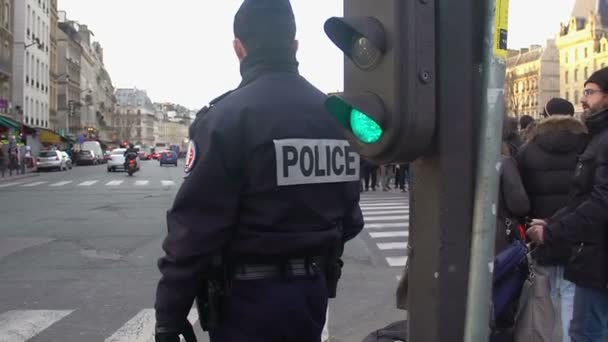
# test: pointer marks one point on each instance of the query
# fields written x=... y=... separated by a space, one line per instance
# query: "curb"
x=8 y=179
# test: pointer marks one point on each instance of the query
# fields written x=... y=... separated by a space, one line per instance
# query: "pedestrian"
x=371 y=173
x=583 y=223
x=386 y=173
x=524 y=122
x=256 y=231
x=402 y=177
x=511 y=135
x=3 y=159
x=546 y=163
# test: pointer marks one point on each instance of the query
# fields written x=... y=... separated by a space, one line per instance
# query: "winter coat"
x=513 y=203
x=546 y=163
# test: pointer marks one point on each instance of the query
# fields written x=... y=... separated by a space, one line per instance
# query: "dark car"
x=168 y=157
x=86 y=158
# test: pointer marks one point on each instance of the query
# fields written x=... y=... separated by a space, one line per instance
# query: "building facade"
x=532 y=79
x=6 y=56
x=68 y=80
x=136 y=117
x=53 y=67
x=583 y=47
x=31 y=61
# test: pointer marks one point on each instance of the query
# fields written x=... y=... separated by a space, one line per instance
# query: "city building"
x=136 y=117
x=6 y=56
x=31 y=62
x=53 y=67
x=174 y=122
x=583 y=47
x=68 y=81
x=532 y=79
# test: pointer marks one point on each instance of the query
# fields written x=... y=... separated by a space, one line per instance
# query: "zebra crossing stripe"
x=9 y=184
x=87 y=183
x=167 y=182
x=30 y=185
x=60 y=183
x=368 y=213
x=387 y=218
x=21 y=325
x=396 y=261
x=141 y=183
x=386 y=225
x=114 y=183
x=380 y=235
x=381 y=204
x=364 y=208
x=392 y=245
x=140 y=328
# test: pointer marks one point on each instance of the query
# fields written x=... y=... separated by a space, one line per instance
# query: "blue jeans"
x=590 y=321
x=562 y=296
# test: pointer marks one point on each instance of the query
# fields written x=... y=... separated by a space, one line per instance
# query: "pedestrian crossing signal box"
x=388 y=105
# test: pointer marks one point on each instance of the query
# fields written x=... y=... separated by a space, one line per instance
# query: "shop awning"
x=8 y=122
x=47 y=136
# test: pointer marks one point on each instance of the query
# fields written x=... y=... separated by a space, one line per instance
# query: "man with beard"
x=583 y=223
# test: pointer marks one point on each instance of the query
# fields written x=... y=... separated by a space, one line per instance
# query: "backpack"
x=510 y=272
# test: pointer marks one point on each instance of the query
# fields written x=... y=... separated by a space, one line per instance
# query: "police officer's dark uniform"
x=271 y=192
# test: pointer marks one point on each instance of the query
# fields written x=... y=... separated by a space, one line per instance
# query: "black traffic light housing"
x=389 y=75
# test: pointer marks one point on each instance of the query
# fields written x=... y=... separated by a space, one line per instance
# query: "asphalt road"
x=78 y=253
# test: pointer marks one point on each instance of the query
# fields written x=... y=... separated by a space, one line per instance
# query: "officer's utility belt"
x=299 y=267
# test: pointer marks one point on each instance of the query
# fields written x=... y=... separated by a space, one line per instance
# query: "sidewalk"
x=13 y=178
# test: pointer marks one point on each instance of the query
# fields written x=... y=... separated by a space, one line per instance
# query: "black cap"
x=265 y=24
x=600 y=78
x=558 y=106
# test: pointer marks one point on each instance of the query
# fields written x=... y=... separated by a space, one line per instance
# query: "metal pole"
x=477 y=326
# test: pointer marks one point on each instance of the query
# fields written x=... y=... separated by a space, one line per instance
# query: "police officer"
x=270 y=196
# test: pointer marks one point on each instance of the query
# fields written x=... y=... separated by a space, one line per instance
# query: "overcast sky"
x=181 y=51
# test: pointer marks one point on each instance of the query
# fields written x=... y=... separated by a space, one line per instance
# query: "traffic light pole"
x=444 y=182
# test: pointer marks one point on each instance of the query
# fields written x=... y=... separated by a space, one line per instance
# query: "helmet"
x=131 y=146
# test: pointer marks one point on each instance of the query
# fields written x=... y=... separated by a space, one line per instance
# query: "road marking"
x=141 y=183
x=30 y=185
x=87 y=183
x=396 y=261
x=20 y=326
x=168 y=183
x=387 y=218
x=380 y=235
x=380 y=204
x=386 y=225
x=368 y=213
x=114 y=183
x=392 y=245
x=61 y=183
x=400 y=207
x=9 y=184
x=140 y=328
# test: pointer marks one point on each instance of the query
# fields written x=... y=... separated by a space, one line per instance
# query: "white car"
x=117 y=160
x=49 y=160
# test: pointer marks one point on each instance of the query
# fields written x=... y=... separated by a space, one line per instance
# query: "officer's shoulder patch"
x=191 y=156
x=315 y=161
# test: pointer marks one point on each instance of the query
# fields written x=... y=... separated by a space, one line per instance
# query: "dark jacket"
x=546 y=163
x=248 y=194
x=513 y=203
x=583 y=224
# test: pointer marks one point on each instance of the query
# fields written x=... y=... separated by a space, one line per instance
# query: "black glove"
x=172 y=336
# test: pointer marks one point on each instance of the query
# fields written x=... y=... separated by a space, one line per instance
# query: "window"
x=566 y=76
x=586 y=53
x=575 y=75
x=576 y=97
x=566 y=57
x=586 y=72
x=7 y=16
x=567 y=96
x=29 y=20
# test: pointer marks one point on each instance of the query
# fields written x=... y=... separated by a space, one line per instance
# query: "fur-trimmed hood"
x=558 y=133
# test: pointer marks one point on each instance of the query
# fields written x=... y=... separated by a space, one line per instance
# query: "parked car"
x=68 y=160
x=95 y=147
x=86 y=157
x=107 y=156
x=52 y=160
x=143 y=155
x=168 y=157
x=155 y=155
x=117 y=162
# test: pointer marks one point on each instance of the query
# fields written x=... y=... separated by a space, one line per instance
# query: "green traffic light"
x=364 y=127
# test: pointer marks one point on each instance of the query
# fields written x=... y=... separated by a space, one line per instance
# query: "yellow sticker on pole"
x=501 y=28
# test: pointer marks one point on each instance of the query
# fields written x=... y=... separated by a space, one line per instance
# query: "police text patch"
x=313 y=161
